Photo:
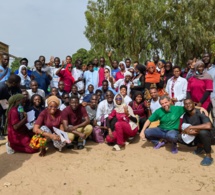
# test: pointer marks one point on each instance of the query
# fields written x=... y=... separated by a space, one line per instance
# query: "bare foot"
x=43 y=152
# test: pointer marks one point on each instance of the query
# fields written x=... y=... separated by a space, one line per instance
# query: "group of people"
x=110 y=104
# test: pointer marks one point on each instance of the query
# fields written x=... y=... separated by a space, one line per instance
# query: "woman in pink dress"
x=126 y=125
x=120 y=74
x=200 y=86
x=19 y=136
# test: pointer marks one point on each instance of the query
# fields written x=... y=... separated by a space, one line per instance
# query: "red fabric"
x=46 y=119
x=74 y=117
x=101 y=75
x=138 y=109
x=66 y=76
x=119 y=75
x=19 y=139
x=197 y=88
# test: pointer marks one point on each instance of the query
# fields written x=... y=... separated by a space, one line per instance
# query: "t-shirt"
x=197 y=119
x=4 y=73
x=39 y=92
x=91 y=112
x=46 y=119
x=168 y=120
x=74 y=117
x=154 y=105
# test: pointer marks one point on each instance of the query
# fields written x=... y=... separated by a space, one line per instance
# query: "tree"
x=178 y=29
x=15 y=64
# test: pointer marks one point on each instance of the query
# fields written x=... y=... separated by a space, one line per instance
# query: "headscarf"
x=22 y=76
x=168 y=73
x=69 y=73
x=127 y=73
x=120 y=108
x=154 y=77
x=53 y=98
x=12 y=102
x=122 y=62
x=202 y=76
x=108 y=67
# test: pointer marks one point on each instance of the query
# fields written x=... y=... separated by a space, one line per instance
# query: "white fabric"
x=76 y=73
x=22 y=76
x=186 y=138
x=122 y=82
x=127 y=99
x=154 y=105
x=180 y=90
x=55 y=78
x=39 y=92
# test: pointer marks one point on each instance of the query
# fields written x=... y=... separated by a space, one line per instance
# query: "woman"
x=19 y=136
x=126 y=125
x=47 y=119
x=120 y=74
x=138 y=82
x=140 y=109
x=177 y=87
x=25 y=79
x=168 y=71
x=37 y=104
x=66 y=76
x=108 y=76
x=26 y=101
x=200 y=86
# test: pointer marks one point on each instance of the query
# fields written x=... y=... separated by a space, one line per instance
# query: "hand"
x=142 y=135
x=72 y=128
x=162 y=72
x=25 y=114
x=199 y=104
x=111 y=79
x=55 y=137
x=82 y=135
x=84 y=104
x=132 y=85
x=62 y=63
x=110 y=133
x=109 y=54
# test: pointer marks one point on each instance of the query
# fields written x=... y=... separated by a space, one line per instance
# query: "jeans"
x=155 y=134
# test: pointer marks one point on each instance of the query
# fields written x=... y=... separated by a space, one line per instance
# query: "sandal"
x=207 y=161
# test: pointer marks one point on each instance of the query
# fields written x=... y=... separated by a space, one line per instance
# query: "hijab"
x=152 y=77
x=69 y=73
x=202 y=76
x=122 y=62
x=55 y=99
x=22 y=76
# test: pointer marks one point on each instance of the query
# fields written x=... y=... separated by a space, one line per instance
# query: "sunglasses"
x=106 y=71
x=118 y=98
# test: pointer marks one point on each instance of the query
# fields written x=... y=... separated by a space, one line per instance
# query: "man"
x=128 y=63
x=96 y=64
x=87 y=97
x=4 y=70
x=169 y=123
x=91 y=109
x=154 y=102
x=104 y=88
x=114 y=64
x=65 y=99
x=24 y=61
x=76 y=122
x=91 y=77
x=34 y=90
x=61 y=90
x=126 y=81
x=77 y=73
x=198 y=125
x=210 y=68
x=45 y=68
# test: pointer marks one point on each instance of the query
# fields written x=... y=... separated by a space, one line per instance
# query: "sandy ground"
x=139 y=169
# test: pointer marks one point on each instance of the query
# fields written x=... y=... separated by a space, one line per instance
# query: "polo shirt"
x=168 y=120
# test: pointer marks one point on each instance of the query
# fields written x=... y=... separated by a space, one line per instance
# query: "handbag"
x=98 y=134
x=38 y=141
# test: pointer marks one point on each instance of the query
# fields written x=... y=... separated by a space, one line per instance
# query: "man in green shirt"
x=169 y=117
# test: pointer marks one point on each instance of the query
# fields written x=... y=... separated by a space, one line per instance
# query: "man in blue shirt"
x=4 y=70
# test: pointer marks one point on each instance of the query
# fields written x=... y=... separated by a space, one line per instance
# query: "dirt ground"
x=139 y=169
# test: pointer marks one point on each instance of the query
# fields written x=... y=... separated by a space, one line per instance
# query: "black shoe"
x=70 y=146
x=80 y=147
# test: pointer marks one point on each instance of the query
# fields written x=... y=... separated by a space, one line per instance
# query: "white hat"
x=185 y=137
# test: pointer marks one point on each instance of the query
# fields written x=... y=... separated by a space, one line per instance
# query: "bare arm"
x=142 y=133
x=21 y=123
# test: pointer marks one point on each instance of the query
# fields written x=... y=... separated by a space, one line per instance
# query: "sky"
x=43 y=27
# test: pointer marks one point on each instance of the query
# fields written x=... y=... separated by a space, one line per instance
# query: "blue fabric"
x=88 y=97
x=2 y=72
x=29 y=72
x=42 y=80
x=114 y=71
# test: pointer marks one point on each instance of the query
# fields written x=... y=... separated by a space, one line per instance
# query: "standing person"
x=177 y=87
x=156 y=59
x=76 y=122
x=24 y=61
x=19 y=136
x=169 y=124
x=96 y=64
x=42 y=78
x=34 y=90
x=128 y=63
x=4 y=70
x=55 y=78
x=25 y=79
x=114 y=64
x=120 y=74
x=44 y=68
x=168 y=70
x=91 y=77
x=68 y=60
x=108 y=76
x=78 y=75
x=126 y=125
x=66 y=76
x=199 y=126
x=101 y=71
x=200 y=86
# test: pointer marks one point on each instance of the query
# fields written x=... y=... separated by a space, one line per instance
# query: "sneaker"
x=198 y=151
x=116 y=147
x=160 y=144
x=174 y=149
x=9 y=149
x=207 y=161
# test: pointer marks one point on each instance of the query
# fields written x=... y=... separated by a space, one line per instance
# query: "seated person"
x=123 y=92
x=74 y=91
x=34 y=90
x=88 y=96
x=26 y=101
x=65 y=103
x=47 y=119
x=91 y=110
x=126 y=125
x=61 y=90
x=99 y=94
x=76 y=122
x=198 y=126
x=19 y=136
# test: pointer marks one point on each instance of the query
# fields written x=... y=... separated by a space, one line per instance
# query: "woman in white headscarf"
x=126 y=125
x=25 y=79
x=120 y=74
x=108 y=76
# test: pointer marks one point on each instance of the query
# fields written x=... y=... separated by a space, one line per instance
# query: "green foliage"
x=179 y=29
x=15 y=64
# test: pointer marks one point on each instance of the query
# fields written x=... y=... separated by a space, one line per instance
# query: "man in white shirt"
x=78 y=75
x=154 y=103
x=34 y=90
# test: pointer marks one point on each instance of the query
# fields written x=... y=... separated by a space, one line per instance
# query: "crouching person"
x=197 y=130
x=76 y=122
